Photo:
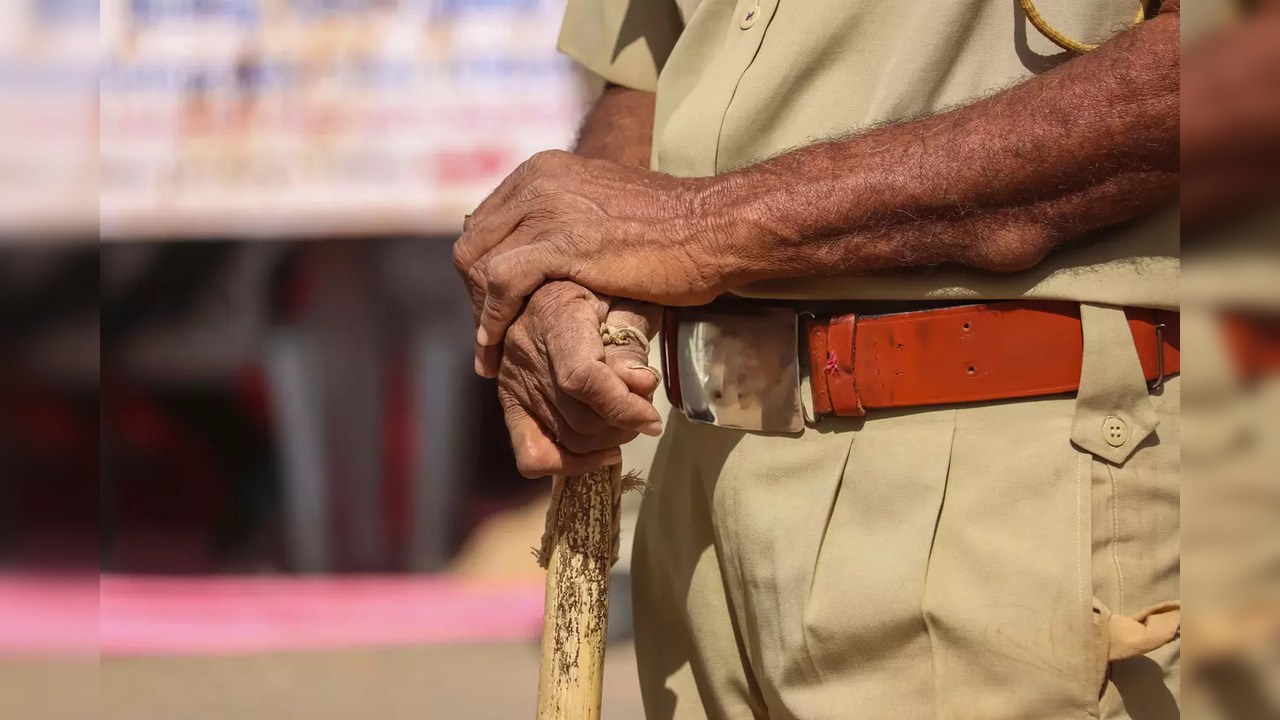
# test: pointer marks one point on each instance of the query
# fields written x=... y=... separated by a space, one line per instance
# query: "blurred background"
x=236 y=378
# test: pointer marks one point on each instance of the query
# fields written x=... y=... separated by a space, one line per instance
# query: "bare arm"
x=619 y=127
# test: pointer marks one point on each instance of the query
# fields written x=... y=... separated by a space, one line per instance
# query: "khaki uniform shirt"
x=739 y=81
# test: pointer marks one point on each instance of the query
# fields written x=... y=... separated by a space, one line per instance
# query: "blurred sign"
x=297 y=117
x=48 y=117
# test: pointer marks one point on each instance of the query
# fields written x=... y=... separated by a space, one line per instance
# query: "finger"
x=485 y=233
x=592 y=392
x=476 y=275
x=577 y=416
x=584 y=444
x=488 y=360
x=571 y=341
x=571 y=464
x=628 y=363
x=512 y=276
x=643 y=316
x=538 y=456
x=601 y=390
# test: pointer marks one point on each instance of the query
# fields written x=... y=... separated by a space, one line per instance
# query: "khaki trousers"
x=922 y=563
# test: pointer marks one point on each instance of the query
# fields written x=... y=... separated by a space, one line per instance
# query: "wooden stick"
x=576 y=617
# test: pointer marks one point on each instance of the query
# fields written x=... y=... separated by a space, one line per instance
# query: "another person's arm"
x=995 y=185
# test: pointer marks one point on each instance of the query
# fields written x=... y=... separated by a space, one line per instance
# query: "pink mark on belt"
x=832 y=363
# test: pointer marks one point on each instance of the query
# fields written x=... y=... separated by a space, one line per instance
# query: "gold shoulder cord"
x=1062 y=41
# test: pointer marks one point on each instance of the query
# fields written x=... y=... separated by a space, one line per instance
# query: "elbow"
x=1012 y=248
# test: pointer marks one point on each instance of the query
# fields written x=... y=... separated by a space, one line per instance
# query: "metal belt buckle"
x=740 y=369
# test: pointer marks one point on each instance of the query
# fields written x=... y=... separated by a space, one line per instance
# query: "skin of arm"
x=995 y=185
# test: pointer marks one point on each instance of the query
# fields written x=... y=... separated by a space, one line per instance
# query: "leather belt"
x=972 y=353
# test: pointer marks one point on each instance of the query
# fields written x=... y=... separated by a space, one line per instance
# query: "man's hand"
x=607 y=226
x=570 y=401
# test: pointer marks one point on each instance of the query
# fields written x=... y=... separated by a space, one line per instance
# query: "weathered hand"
x=570 y=401
x=615 y=229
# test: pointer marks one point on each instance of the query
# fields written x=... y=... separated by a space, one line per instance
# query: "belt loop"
x=816 y=331
x=1113 y=409
x=837 y=366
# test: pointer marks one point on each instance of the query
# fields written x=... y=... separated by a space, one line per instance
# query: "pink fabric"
x=236 y=615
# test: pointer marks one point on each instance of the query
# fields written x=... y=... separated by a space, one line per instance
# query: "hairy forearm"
x=995 y=185
x=619 y=127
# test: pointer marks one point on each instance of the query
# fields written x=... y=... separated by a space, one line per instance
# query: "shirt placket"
x=698 y=125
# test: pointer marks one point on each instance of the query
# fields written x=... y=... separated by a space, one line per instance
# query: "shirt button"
x=1115 y=431
x=749 y=18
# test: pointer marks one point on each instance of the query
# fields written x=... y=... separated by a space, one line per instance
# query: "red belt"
x=973 y=353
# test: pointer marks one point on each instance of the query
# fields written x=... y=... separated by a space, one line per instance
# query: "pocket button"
x=1115 y=431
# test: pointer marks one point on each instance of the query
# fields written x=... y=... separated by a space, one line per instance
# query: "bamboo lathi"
x=578 y=549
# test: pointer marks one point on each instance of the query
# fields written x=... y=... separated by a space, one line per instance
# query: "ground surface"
x=468 y=682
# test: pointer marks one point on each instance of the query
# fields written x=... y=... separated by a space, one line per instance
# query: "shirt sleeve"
x=623 y=41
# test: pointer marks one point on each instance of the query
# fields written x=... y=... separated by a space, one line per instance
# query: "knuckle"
x=530 y=165
x=493 y=313
x=517 y=342
x=534 y=462
x=533 y=190
x=461 y=257
x=549 y=157
x=538 y=163
x=497 y=275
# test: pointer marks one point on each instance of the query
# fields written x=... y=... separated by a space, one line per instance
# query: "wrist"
x=558 y=293
x=740 y=228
